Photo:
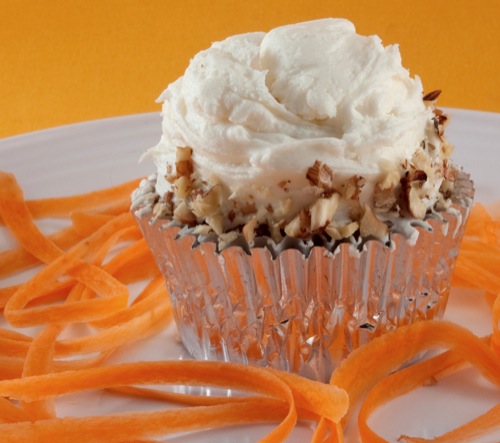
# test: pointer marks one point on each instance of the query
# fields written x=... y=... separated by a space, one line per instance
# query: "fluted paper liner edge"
x=305 y=310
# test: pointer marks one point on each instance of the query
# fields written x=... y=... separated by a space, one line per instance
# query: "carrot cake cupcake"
x=304 y=200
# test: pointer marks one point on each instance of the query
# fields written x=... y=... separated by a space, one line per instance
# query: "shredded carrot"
x=14 y=345
x=9 y=413
x=133 y=263
x=85 y=223
x=112 y=200
x=39 y=361
x=402 y=345
x=153 y=295
x=242 y=377
x=19 y=259
x=482 y=424
x=427 y=372
x=114 y=294
x=133 y=427
x=86 y=267
x=136 y=328
x=16 y=216
x=114 y=297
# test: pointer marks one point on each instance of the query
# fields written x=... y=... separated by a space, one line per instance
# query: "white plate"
x=101 y=153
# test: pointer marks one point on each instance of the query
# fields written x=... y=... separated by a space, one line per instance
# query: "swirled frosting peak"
x=309 y=112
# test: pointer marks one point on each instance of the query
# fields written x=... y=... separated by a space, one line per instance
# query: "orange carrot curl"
x=82 y=276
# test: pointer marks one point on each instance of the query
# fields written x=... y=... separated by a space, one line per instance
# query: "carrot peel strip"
x=104 y=200
x=131 y=427
x=241 y=377
x=95 y=293
x=485 y=422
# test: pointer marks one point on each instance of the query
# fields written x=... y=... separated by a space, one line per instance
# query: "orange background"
x=65 y=61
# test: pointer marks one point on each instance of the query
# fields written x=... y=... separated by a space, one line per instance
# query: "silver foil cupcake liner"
x=303 y=309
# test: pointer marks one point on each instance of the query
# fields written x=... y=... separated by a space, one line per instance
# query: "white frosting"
x=259 y=108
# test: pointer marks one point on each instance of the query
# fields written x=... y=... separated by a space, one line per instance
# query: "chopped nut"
x=355 y=210
x=390 y=180
x=216 y=223
x=182 y=186
x=343 y=231
x=322 y=211
x=417 y=178
x=183 y=162
x=183 y=214
x=184 y=168
x=441 y=119
x=353 y=187
x=283 y=183
x=262 y=215
x=333 y=231
x=312 y=173
x=293 y=228
x=275 y=231
x=213 y=180
x=320 y=175
x=226 y=238
x=325 y=178
x=420 y=161
x=349 y=229
x=385 y=199
x=286 y=206
x=182 y=154
x=411 y=191
x=299 y=226
x=417 y=175
x=371 y=226
x=160 y=210
x=431 y=96
x=386 y=190
x=248 y=208
x=170 y=178
x=447 y=149
x=202 y=230
x=416 y=206
x=168 y=199
x=249 y=230
x=206 y=203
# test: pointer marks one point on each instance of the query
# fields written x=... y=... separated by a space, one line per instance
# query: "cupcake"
x=304 y=200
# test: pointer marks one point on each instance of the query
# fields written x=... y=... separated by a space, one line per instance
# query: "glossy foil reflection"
x=304 y=312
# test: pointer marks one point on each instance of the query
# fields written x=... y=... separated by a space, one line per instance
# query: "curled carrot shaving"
x=39 y=361
x=242 y=377
x=423 y=373
x=17 y=218
x=131 y=427
x=19 y=259
x=86 y=269
x=484 y=423
x=85 y=223
x=9 y=413
x=115 y=199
